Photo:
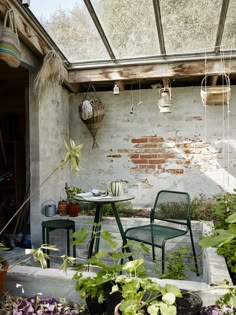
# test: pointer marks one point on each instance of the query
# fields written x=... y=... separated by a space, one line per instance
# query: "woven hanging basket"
x=216 y=95
x=98 y=111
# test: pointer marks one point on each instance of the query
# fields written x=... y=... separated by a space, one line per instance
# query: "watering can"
x=49 y=208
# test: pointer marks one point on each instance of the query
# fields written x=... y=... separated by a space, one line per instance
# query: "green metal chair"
x=170 y=217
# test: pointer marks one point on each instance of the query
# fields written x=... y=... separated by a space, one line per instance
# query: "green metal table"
x=96 y=230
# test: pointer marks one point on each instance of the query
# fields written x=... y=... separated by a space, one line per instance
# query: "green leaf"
x=168 y=298
x=107 y=236
x=231 y=218
x=80 y=236
x=167 y=309
x=132 y=266
x=218 y=239
x=153 y=309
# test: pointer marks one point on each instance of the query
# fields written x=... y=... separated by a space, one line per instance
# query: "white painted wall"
x=201 y=143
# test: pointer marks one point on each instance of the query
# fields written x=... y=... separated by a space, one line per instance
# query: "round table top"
x=106 y=199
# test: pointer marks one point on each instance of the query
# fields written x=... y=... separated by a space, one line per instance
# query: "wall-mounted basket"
x=216 y=95
x=92 y=113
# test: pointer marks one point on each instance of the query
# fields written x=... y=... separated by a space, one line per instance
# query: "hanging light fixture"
x=165 y=98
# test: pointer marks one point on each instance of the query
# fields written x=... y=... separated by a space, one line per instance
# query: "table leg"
x=99 y=225
x=120 y=227
x=47 y=250
x=96 y=229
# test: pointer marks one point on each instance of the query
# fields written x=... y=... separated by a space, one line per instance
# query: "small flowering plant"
x=225 y=305
x=44 y=305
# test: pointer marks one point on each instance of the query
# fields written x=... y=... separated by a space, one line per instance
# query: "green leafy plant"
x=141 y=295
x=221 y=236
x=224 y=239
x=175 y=266
x=107 y=263
x=71 y=192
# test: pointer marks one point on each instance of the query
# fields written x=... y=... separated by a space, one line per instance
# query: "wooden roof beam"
x=152 y=71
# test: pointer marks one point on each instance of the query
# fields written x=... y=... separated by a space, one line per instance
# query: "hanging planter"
x=91 y=112
x=216 y=95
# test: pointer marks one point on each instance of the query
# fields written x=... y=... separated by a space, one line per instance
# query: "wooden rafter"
x=152 y=71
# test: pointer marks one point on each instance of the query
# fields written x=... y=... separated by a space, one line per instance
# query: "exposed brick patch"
x=175 y=171
x=177 y=155
x=140 y=140
x=115 y=156
x=155 y=139
x=149 y=156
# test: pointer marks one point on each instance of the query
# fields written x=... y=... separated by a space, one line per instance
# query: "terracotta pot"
x=62 y=207
x=73 y=209
x=3 y=273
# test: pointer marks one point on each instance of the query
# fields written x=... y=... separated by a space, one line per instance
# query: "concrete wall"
x=49 y=127
x=191 y=149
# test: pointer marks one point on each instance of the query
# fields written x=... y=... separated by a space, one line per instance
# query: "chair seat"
x=160 y=233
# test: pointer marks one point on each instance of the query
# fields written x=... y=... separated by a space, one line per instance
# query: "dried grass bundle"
x=51 y=73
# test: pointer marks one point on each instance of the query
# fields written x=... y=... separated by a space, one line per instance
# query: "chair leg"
x=194 y=252
x=163 y=258
x=153 y=253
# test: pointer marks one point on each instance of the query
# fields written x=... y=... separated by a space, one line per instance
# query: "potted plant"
x=73 y=206
x=225 y=304
x=142 y=295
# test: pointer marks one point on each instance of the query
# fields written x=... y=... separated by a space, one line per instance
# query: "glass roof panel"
x=229 y=37
x=129 y=26
x=74 y=32
x=190 y=26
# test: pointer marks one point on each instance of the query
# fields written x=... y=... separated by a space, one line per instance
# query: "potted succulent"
x=73 y=206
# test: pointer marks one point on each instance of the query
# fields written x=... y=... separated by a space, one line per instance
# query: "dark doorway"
x=13 y=147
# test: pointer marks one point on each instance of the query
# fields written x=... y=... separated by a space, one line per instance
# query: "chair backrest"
x=172 y=206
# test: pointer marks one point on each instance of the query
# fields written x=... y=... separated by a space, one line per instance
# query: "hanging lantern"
x=165 y=100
